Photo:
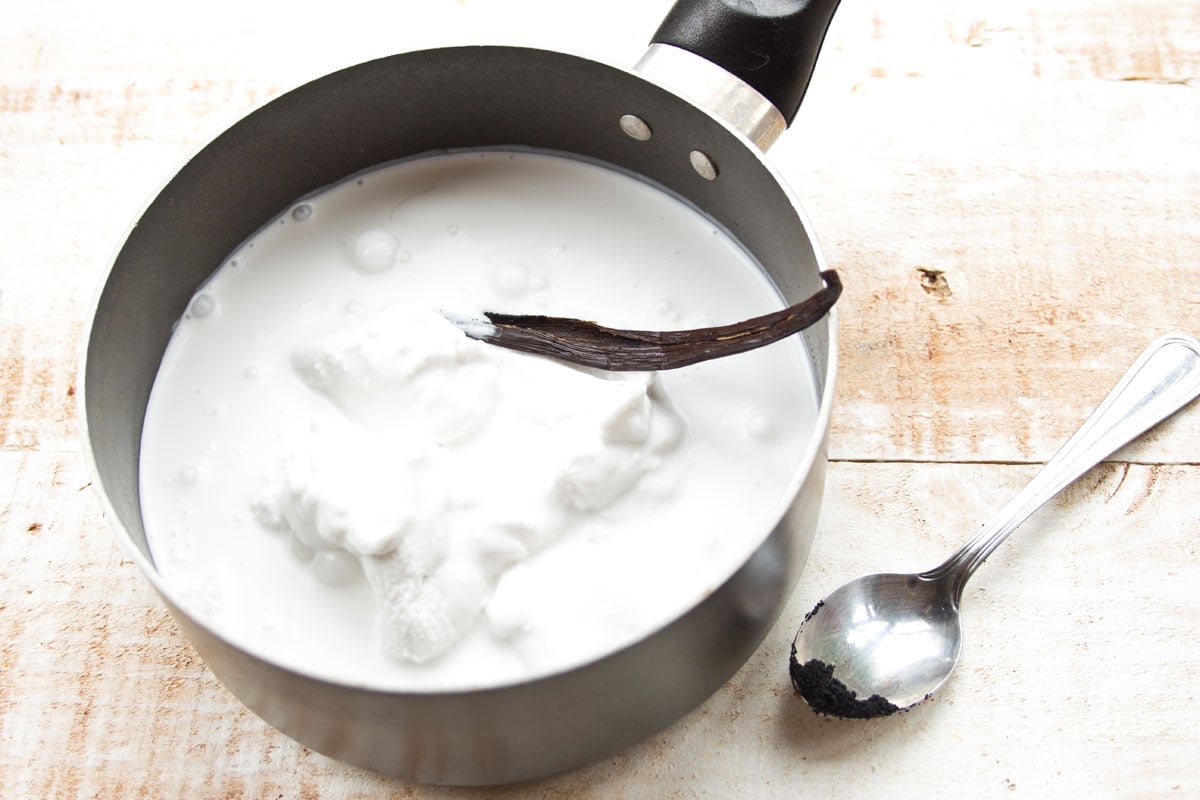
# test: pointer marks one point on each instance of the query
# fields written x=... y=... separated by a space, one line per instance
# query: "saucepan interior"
x=400 y=107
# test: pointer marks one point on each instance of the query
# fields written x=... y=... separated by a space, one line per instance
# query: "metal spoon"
x=883 y=643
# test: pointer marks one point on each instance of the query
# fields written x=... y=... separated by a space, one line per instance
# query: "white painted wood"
x=1010 y=193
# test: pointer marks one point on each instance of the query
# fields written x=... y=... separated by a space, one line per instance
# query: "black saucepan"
x=720 y=81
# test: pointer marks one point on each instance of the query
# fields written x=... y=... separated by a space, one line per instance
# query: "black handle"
x=770 y=44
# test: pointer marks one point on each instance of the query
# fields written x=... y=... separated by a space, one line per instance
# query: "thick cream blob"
x=337 y=479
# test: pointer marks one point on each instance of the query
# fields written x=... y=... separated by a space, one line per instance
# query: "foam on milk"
x=337 y=479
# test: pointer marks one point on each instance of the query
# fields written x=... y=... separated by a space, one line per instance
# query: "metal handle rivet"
x=636 y=128
x=703 y=165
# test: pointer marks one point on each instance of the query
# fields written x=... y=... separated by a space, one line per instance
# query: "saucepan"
x=719 y=82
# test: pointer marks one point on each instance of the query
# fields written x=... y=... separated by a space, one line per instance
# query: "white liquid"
x=464 y=233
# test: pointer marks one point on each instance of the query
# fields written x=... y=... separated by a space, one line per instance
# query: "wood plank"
x=980 y=275
x=1009 y=192
x=1119 y=40
x=1072 y=39
x=1063 y=208
x=101 y=696
x=1004 y=266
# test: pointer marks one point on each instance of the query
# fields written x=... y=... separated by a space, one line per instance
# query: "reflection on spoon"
x=883 y=643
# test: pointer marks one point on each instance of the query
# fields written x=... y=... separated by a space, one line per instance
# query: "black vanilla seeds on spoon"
x=813 y=680
x=591 y=345
x=825 y=694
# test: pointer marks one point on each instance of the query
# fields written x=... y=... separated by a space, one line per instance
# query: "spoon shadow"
x=818 y=737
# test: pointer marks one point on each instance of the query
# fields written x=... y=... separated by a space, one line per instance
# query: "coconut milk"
x=338 y=483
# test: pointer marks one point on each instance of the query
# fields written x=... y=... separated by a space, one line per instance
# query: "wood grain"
x=1009 y=193
x=102 y=697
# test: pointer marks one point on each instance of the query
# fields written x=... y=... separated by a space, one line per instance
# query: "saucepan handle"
x=772 y=45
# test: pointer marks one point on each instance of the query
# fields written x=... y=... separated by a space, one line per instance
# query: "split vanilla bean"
x=592 y=345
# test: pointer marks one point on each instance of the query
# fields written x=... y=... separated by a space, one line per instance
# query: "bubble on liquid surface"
x=374 y=250
x=302 y=213
x=195 y=601
x=335 y=567
x=666 y=310
x=510 y=280
x=189 y=474
x=760 y=425
x=212 y=590
x=203 y=306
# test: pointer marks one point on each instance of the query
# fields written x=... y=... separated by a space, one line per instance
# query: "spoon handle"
x=1164 y=379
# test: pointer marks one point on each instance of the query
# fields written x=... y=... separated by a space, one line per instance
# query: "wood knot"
x=933 y=281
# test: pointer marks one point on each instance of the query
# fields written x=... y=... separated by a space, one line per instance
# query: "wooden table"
x=1011 y=191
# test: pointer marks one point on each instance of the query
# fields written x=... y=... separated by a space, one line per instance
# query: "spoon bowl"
x=885 y=642
x=895 y=637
